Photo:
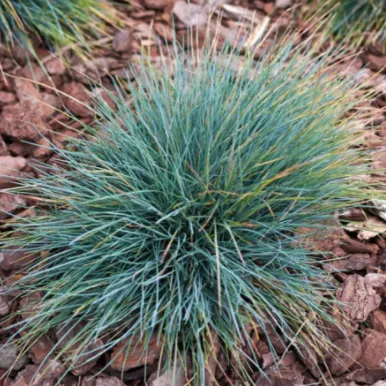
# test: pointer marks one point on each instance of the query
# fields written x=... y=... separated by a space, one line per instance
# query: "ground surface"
x=362 y=282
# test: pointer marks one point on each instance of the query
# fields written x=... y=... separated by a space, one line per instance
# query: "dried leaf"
x=367 y=229
x=379 y=208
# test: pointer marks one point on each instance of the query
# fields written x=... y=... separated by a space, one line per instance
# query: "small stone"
x=10 y=359
x=7 y=97
x=123 y=40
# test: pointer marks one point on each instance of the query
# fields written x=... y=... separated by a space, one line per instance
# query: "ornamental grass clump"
x=178 y=216
x=57 y=23
x=358 y=22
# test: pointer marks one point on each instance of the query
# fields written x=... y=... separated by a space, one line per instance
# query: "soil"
x=32 y=96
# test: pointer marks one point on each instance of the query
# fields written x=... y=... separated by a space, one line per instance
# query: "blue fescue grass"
x=178 y=215
x=358 y=22
x=58 y=23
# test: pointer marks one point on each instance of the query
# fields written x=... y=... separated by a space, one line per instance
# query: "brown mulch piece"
x=33 y=106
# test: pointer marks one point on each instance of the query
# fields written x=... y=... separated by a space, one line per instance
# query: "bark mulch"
x=33 y=97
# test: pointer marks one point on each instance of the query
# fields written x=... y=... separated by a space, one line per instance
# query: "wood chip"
x=359 y=295
x=373 y=349
x=124 y=358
